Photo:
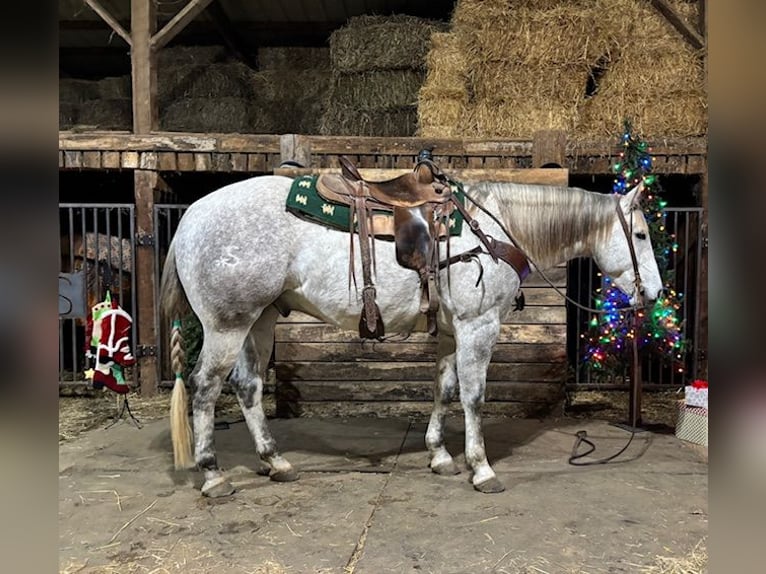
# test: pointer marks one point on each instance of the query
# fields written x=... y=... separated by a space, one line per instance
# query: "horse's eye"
x=641 y=235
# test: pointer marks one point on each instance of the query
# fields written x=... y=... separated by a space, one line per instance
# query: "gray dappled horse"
x=237 y=256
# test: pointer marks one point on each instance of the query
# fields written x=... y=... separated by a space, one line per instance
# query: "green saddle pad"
x=304 y=201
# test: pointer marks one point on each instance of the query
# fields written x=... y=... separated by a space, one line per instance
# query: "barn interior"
x=486 y=83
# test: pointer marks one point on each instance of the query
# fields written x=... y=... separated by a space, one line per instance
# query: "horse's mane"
x=550 y=222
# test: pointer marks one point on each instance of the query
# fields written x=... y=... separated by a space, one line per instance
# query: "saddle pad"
x=304 y=202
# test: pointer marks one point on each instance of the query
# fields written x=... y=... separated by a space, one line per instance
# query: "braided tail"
x=180 y=430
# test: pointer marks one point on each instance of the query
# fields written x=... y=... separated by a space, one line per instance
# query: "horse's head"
x=615 y=257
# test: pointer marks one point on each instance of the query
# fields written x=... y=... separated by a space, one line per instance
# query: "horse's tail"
x=173 y=303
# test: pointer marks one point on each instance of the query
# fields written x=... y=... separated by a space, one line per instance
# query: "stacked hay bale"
x=97 y=104
x=378 y=67
x=655 y=77
x=443 y=99
x=290 y=88
x=508 y=69
x=527 y=63
x=198 y=91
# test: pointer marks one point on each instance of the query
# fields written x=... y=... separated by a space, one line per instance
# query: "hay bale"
x=293 y=57
x=518 y=120
x=350 y=120
x=441 y=117
x=68 y=112
x=115 y=87
x=112 y=114
x=211 y=115
x=447 y=68
x=205 y=81
x=540 y=84
x=369 y=43
x=74 y=90
x=378 y=90
x=169 y=57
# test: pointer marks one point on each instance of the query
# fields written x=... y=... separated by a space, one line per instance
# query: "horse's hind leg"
x=216 y=359
x=445 y=384
x=247 y=379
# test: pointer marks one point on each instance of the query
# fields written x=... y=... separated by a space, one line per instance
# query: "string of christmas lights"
x=609 y=337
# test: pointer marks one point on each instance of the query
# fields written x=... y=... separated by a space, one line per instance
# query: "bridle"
x=628 y=236
x=628 y=230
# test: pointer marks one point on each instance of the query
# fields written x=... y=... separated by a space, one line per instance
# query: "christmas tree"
x=608 y=341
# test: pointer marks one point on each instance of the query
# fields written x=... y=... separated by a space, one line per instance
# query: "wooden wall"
x=319 y=365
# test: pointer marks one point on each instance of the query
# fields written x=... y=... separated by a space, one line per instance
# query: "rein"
x=625 y=229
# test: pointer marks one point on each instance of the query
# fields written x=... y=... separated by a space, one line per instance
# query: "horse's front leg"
x=445 y=384
x=475 y=340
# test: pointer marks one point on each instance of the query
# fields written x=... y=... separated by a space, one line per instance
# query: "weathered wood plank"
x=412 y=352
x=523 y=392
x=147 y=160
x=91 y=159
x=166 y=161
x=538 y=176
x=110 y=160
x=182 y=18
x=185 y=161
x=239 y=162
x=537 y=315
x=221 y=162
x=203 y=161
x=168 y=141
x=549 y=147
x=73 y=159
x=256 y=162
x=61 y=159
x=401 y=371
x=130 y=159
x=321 y=332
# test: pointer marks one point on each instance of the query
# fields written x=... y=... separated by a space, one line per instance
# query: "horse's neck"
x=535 y=237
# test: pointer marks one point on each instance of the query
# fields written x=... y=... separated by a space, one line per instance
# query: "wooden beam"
x=146 y=188
x=229 y=34
x=549 y=148
x=702 y=17
x=688 y=32
x=144 y=66
x=178 y=22
x=109 y=19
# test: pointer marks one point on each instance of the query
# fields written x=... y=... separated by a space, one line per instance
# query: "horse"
x=239 y=258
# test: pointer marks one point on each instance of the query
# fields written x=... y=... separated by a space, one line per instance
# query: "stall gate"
x=96 y=250
x=684 y=266
x=98 y=240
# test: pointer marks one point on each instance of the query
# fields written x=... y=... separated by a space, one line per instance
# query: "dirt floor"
x=367 y=503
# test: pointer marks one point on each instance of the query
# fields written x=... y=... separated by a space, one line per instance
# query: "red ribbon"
x=700 y=384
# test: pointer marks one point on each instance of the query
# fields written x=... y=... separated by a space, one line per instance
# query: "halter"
x=628 y=235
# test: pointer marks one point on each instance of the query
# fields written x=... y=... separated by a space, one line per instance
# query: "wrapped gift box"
x=696 y=395
x=692 y=423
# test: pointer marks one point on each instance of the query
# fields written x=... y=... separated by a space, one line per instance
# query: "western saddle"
x=421 y=203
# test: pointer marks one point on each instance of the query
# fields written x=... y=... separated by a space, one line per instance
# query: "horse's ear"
x=630 y=199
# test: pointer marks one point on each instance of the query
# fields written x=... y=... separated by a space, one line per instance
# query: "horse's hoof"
x=446 y=468
x=263 y=470
x=490 y=486
x=284 y=475
x=217 y=487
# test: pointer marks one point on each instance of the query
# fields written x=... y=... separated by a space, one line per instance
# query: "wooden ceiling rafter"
x=109 y=19
x=686 y=30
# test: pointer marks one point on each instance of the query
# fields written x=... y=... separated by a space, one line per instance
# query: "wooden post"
x=296 y=148
x=702 y=343
x=143 y=20
x=549 y=148
x=147 y=184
